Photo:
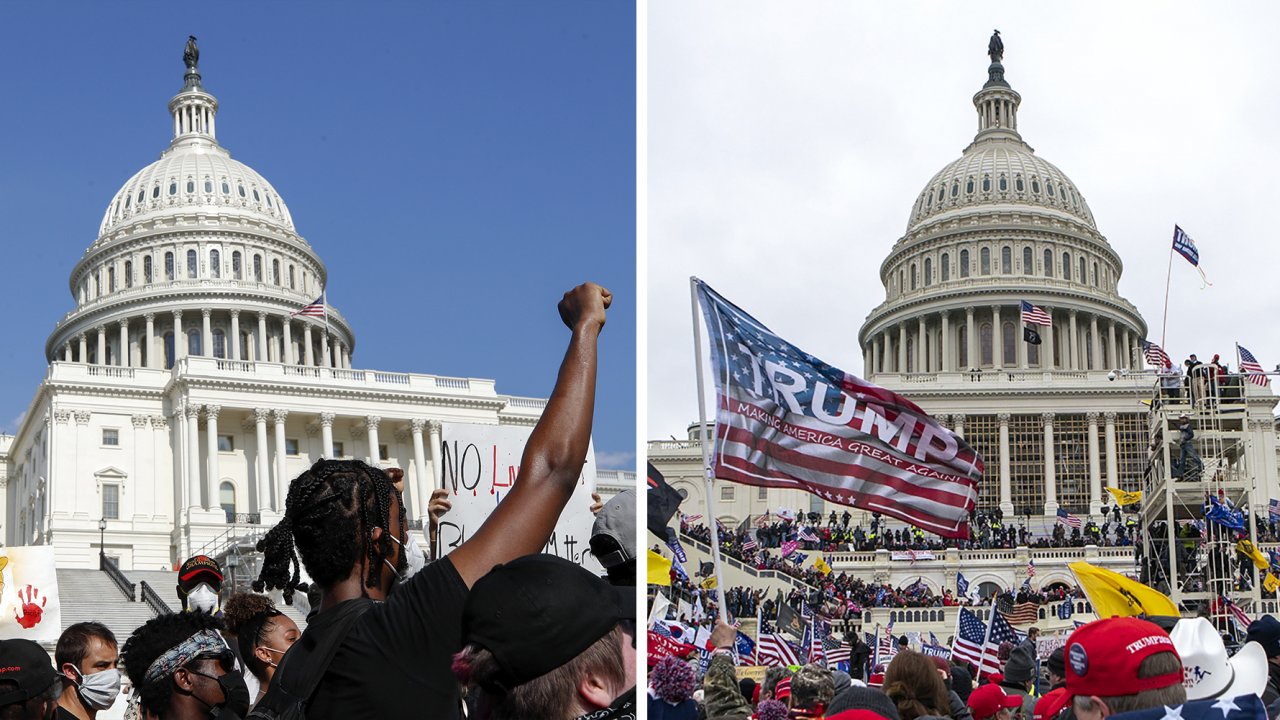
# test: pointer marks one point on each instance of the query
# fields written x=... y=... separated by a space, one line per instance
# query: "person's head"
x=913 y=684
x=862 y=700
x=772 y=677
x=29 y=686
x=1122 y=664
x=200 y=583
x=262 y=632
x=543 y=637
x=673 y=680
x=812 y=688
x=991 y=702
x=1033 y=632
x=1266 y=632
x=87 y=656
x=903 y=642
x=1020 y=668
x=1056 y=666
x=342 y=518
x=182 y=668
x=613 y=538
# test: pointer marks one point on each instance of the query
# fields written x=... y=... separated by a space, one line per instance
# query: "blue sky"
x=456 y=165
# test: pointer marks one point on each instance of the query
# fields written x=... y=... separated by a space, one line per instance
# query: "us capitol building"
x=1057 y=422
x=183 y=394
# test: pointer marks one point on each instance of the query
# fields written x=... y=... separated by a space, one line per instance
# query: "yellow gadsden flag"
x=1248 y=549
x=1270 y=583
x=1111 y=593
x=822 y=566
x=1125 y=498
x=659 y=569
x=709 y=583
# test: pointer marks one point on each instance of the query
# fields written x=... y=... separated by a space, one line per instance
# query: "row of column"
x=887 y=350
x=270 y=460
x=279 y=348
x=1050 y=460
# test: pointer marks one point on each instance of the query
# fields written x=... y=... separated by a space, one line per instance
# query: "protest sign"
x=29 y=605
x=660 y=647
x=478 y=467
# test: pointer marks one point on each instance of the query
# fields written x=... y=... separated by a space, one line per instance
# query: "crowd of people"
x=1119 y=666
x=494 y=628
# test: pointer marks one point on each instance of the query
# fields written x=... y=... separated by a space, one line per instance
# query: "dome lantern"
x=194 y=110
x=996 y=102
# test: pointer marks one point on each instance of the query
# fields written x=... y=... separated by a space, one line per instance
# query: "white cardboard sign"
x=479 y=465
x=29 y=604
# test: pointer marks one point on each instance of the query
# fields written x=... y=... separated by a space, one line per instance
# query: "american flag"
x=1068 y=519
x=317 y=308
x=807 y=535
x=1273 y=509
x=1033 y=315
x=1024 y=613
x=970 y=635
x=1237 y=613
x=763 y=520
x=813 y=644
x=1249 y=364
x=1243 y=707
x=1155 y=355
x=749 y=546
x=773 y=649
x=692 y=518
x=886 y=646
x=837 y=651
x=788 y=420
x=1031 y=568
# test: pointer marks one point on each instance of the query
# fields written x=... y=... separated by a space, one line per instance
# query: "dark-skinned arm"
x=553 y=458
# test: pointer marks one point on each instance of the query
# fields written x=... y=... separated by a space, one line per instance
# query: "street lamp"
x=102 y=544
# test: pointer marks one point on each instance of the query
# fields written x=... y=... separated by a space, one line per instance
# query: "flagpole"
x=986 y=640
x=706 y=446
x=1164 y=323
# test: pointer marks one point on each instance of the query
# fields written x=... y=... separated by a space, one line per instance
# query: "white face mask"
x=414 y=558
x=99 y=690
x=202 y=598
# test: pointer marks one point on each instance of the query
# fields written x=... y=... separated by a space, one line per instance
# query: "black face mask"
x=235 y=697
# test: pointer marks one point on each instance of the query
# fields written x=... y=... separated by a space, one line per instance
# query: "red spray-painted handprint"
x=31 y=612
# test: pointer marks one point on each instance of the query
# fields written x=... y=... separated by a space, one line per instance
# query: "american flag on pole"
x=1155 y=355
x=692 y=518
x=1186 y=247
x=763 y=520
x=1033 y=315
x=971 y=634
x=773 y=649
x=837 y=651
x=1068 y=519
x=788 y=420
x=807 y=535
x=1250 y=365
x=886 y=646
x=317 y=308
x=749 y=546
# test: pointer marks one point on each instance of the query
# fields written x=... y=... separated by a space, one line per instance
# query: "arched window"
x=226 y=189
x=128 y=273
x=986 y=183
x=275 y=272
x=1066 y=266
x=227 y=499
x=1017 y=183
x=1006 y=260
x=1088 y=350
x=168 y=350
x=111 y=279
x=984 y=260
x=245 y=346
x=1084 y=277
x=1009 y=341
x=237 y=271
x=146 y=270
x=911 y=354
x=968 y=187
x=173 y=187
x=1027 y=267
x=215 y=264
x=1004 y=183
x=1048 y=262
x=292 y=286
x=1035 y=186
x=913 y=276
x=219 y=344
x=193 y=342
x=1095 y=274
x=155 y=191
x=97 y=283
x=208 y=185
x=963 y=350
x=193 y=263
x=257 y=268
x=1033 y=353
x=928 y=272
x=964 y=263
x=984 y=341
x=901 y=282
x=191 y=185
x=944 y=267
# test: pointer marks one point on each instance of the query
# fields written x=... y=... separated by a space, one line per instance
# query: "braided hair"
x=329 y=514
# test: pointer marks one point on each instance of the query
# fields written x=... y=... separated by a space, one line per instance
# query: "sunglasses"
x=225 y=658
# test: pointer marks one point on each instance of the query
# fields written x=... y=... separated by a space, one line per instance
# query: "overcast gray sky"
x=788 y=141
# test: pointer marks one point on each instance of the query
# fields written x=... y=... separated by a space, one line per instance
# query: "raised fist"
x=585 y=305
x=29 y=613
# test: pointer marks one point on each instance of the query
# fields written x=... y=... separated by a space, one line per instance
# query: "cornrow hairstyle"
x=329 y=514
x=150 y=642
x=250 y=617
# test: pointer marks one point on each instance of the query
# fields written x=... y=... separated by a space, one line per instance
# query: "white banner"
x=479 y=465
x=912 y=555
x=29 y=605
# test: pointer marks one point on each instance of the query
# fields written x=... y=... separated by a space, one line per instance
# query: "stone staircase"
x=91 y=595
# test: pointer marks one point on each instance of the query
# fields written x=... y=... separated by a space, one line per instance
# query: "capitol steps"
x=91 y=595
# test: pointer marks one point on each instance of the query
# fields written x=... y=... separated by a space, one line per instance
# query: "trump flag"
x=786 y=419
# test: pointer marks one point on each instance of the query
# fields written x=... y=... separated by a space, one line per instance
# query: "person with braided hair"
x=383 y=640
x=182 y=669
x=262 y=634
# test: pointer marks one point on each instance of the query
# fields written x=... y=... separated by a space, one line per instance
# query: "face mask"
x=273 y=650
x=202 y=598
x=99 y=690
x=235 y=697
x=414 y=557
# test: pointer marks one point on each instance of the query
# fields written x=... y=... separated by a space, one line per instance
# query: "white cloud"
x=787 y=143
x=615 y=460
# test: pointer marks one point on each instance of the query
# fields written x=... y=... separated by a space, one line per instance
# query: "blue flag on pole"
x=1186 y=247
x=962 y=585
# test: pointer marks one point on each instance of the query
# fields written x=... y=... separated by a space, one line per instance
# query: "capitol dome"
x=186 y=247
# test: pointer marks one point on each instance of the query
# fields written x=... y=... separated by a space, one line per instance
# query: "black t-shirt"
x=395 y=661
x=64 y=714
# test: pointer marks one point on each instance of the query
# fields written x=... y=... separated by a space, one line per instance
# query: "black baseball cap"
x=538 y=612
x=198 y=569
x=29 y=665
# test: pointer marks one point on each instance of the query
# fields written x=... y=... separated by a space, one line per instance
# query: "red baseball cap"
x=989 y=699
x=1103 y=657
x=1048 y=707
